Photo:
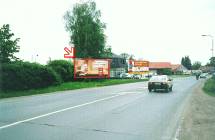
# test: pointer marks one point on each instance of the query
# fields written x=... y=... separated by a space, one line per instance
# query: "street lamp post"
x=212 y=41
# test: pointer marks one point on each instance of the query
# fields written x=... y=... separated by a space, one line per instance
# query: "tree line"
x=186 y=62
x=86 y=30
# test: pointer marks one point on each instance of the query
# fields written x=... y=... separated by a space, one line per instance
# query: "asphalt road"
x=120 y=112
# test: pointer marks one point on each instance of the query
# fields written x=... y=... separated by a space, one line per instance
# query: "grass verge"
x=69 y=86
x=209 y=87
x=178 y=76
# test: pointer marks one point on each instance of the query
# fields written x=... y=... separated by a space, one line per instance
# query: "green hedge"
x=164 y=71
x=63 y=68
x=209 y=85
x=25 y=75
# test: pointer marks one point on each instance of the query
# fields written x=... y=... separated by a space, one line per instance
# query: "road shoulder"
x=199 y=117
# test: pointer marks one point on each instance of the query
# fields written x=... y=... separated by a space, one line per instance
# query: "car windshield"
x=158 y=78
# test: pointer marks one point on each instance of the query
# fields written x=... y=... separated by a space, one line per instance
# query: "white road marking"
x=179 y=129
x=123 y=93
x=130 y=92
x=58 y=111
x=142 y=87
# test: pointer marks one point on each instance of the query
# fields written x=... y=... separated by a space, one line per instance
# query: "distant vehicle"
x=136 y=76
x=160 y=82
x=197 y=75
x=148 y=76
x=122 y=75
x=203 y=75
x=126 y=75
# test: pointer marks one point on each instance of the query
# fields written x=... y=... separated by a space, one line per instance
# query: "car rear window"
x=158 y=78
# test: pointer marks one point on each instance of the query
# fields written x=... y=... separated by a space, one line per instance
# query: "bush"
x=179 y=73
x=63 y=68
x=164 y=72
x=209 y=85
x=25 y=75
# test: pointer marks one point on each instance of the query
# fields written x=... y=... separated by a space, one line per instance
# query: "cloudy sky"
x=154 y=30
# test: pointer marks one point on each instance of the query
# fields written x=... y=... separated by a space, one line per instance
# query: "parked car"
x=136 y=76
x=160 y=82
x=203 y=75
x=126 y=75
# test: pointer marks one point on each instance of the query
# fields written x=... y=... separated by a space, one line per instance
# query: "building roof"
x=175 y=66
x=159 y=65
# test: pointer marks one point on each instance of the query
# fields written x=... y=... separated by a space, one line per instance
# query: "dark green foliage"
x=209 y=85
x=118 y=62
x=8 y=45
x=212 y=61
x=196 y=65
x=63 y=68
x=107 y=52
x=25 y=75
x=185 y=61
x=164 y=72
x=178 y=73
x=87 y=31
x=125 y=55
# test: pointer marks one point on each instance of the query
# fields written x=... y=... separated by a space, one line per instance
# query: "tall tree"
x=125 y=55
x=196 y=65
x=8 y=45
x=131 y=57
x=86 y=30
x=107 y=52
x=212 y=61
x=185 y=61
x=182 y=61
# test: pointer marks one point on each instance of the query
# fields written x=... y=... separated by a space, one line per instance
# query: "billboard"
x=138 y=67
x=91 y=68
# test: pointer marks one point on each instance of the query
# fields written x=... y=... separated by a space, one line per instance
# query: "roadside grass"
x=69 y=86
x=209 y=87
x=178 y=76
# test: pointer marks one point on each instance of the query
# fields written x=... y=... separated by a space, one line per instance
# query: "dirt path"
x=199 y=117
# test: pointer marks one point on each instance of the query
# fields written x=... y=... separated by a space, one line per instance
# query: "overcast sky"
x=154 y=30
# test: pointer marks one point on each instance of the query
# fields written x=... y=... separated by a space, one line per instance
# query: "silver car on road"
x=160 y=82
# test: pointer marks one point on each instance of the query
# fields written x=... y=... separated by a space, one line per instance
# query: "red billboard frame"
x=89 y=77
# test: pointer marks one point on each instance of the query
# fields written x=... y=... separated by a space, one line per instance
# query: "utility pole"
x=212 y=43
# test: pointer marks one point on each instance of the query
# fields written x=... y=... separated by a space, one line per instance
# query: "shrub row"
x=63 y=68
x=165 y=71
x=26 y=75
x=209 y=85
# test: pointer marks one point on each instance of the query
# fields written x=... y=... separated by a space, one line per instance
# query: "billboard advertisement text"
x=91 y=68
x=138 y=67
